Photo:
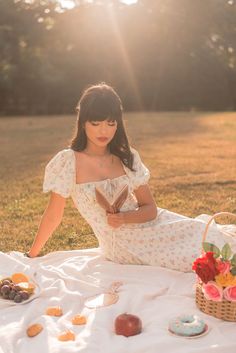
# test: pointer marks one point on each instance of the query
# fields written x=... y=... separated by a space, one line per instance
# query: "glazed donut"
x=187 y=325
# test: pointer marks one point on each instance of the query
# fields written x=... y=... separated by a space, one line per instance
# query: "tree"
x=158 y=54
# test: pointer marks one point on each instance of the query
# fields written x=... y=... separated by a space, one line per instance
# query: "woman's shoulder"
x=141 y=174
x=65 y=154
x=134 y=153
x=133 y=150
x=136 y=156
x=59 y=173
x=61 y=158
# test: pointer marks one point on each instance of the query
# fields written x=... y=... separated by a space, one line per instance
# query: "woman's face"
x=100 y=133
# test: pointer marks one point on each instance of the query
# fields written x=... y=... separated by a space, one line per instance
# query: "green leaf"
x=233 y=260
x=211 y=247
x=233 y=271
x=226 y=252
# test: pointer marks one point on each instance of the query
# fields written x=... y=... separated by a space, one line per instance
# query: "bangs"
x=103 y=108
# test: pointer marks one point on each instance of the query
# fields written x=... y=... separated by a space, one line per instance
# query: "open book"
x=117 y=202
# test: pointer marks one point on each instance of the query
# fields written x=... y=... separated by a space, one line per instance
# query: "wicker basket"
x=225 y=310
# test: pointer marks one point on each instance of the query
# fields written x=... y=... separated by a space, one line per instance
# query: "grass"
x=191 y=157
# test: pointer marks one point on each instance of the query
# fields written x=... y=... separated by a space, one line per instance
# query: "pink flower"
x=223 y=266
x=212 y=291
x=230 y=293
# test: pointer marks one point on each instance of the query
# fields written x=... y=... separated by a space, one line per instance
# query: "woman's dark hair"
x=97 y=103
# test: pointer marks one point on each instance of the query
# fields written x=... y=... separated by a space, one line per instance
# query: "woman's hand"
x=115 y=220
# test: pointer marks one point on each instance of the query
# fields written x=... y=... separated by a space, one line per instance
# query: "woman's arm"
x=146 y=211
x=49 y=222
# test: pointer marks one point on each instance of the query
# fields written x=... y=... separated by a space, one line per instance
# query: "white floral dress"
x=171 y=240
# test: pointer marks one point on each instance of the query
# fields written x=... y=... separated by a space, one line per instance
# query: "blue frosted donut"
x=187 y=325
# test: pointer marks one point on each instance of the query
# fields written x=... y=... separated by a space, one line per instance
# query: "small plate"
x=101 y=300
x=106 y=298
x=205 y=332
x=36 y=293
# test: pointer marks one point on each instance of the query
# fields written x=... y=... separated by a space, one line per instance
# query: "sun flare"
x=129 y=2
x=67 y=4
x=70 y=4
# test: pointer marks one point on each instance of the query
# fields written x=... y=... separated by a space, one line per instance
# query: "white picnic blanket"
x=67 y=278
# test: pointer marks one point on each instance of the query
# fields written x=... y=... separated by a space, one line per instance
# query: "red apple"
x=128 y=325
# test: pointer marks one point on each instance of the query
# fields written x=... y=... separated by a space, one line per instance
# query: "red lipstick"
x=102 y=139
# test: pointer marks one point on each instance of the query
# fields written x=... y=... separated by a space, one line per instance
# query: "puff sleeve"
x=140 y=175
x=59 y=173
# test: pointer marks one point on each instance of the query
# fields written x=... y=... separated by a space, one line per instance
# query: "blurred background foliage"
x=158 y=54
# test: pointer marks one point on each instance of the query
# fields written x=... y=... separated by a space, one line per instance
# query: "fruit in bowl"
x=16 y=287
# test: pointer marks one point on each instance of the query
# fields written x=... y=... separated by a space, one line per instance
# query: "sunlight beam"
x=126 y=59
x=67 y=4
x=129 y=2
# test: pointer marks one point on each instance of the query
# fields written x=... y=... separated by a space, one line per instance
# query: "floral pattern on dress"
x=170 y=240
x=59 y=174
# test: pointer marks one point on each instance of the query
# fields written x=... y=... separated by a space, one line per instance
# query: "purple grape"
x=12 y=294
x=5 y=289
x=24 y=295
x=6 y=282
x=17 y=298
x=5 y=296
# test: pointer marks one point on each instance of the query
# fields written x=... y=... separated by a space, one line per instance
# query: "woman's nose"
x=103 y=128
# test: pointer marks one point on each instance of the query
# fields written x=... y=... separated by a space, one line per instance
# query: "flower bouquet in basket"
x=216 y=279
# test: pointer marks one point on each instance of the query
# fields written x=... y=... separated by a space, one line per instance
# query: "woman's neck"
x=96 y=150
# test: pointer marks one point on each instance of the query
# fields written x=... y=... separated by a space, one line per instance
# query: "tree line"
x=158 y=54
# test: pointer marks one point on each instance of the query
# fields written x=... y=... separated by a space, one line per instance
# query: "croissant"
x=34 y=330
x=78 y=320
x=66 y=336
x=54 y=311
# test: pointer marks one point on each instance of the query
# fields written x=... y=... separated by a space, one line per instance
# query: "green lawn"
x=191 y=156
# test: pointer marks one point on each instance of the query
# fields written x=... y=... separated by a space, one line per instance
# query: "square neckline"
x=96 y=181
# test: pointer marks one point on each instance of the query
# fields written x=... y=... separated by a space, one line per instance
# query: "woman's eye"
x=112 y=123
x=109 y=123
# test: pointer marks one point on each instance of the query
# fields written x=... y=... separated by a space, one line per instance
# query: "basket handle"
x=211 y=219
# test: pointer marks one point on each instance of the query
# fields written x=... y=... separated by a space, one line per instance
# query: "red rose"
x=205 y=273
x=206 y=267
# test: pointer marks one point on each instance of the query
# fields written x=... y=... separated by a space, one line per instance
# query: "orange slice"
x=19 y=277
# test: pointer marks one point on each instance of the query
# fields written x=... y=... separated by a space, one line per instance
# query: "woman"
x=100 y=160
